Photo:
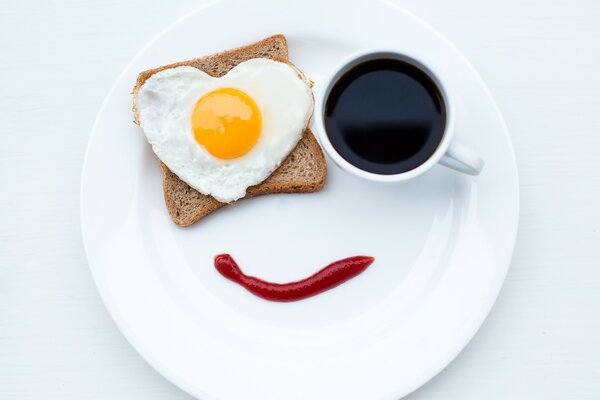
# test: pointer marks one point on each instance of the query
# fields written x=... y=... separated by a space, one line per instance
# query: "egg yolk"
x=227 y=122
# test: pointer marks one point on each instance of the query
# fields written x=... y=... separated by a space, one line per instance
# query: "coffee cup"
x=386 y=116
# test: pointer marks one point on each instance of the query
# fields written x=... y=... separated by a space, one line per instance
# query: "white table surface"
x=541 y=60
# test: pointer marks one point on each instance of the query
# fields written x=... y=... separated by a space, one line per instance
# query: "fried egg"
x=223 y=135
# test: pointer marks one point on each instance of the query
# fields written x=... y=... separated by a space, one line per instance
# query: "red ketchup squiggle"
x=325 y=279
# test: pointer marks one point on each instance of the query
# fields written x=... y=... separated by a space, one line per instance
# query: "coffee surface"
x=385 y=116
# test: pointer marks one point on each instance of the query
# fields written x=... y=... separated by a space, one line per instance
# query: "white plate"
x=442 y=242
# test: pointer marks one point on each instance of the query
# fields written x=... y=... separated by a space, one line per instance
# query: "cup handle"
x=462 y=159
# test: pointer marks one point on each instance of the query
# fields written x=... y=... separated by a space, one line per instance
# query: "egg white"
x=165 y=103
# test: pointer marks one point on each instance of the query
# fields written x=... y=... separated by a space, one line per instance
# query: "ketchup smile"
x=325 y=279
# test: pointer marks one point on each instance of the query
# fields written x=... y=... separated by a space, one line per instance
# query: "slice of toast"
x=303 y=171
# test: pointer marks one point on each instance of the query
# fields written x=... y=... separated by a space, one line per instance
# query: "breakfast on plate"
x=365 y=245
x=229 y=126
x=235 y=124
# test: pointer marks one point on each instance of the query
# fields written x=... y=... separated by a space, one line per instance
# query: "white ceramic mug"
x=448 y=153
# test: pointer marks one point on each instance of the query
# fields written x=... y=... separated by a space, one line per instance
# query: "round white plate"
x=442 y=242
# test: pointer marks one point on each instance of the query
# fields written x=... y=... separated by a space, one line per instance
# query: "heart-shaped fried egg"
x=223 y=135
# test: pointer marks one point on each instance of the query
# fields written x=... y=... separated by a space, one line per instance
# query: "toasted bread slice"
x=303 y=171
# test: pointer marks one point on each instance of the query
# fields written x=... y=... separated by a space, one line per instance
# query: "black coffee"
x=385 y=116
